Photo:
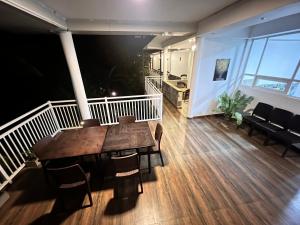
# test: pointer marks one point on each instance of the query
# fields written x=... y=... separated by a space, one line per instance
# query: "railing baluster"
x=32 y=128
x=24 y=142
x=8 y=167
x=30 y=135
x=64 y=125
x=17 y=139
x=8 y=156
x=8 y=145
x=49 y=119
x=12 y=141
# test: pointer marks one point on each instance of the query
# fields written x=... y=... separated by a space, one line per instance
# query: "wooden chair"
x=90 y=123
x=126 y=167
x=126 y=119
x=70 y=177
x=156 y=149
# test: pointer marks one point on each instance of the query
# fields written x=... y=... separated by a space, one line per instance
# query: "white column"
x=165 y=63
x=194 y=76
x=71 y=57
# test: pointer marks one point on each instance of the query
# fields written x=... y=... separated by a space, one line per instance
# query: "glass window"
x=271 y=84
x=280 y=58
x=295 y=89
x=255 y=55
x=248 y=80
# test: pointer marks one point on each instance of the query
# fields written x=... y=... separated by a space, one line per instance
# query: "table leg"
x=45 y=171
x=149 y=159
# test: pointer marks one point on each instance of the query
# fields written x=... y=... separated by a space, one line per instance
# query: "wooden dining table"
x=129 y=136
x=72 y=143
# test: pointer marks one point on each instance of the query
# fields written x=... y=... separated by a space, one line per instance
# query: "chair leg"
x=149 y=160
x=89 y=194
x=161 y=158
x=141 y=183
x=266 y=142
x=250 y=131
x=116 y=190
x=285 y=151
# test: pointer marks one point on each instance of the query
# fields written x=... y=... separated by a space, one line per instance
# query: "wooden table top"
x=128 y=136
x=71 y=143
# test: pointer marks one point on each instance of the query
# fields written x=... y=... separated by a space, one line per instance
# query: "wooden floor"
x=214 y=174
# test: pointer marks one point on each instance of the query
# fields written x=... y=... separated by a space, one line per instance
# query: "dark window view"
x=34 y=69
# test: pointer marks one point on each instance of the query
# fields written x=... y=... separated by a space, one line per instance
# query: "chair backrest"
x=183 y=76
x=126 y=163
x=280 y=117
x=41 y=143
x=263 y=110
x=294 y=124
x=126 y=119
x=90 y=123
x=158 y=132
x=67 y=175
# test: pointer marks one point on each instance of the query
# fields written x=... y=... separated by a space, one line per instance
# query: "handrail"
x=23 y=116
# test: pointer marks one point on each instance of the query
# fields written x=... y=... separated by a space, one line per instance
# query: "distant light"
x=113 y=93
x=193 y=48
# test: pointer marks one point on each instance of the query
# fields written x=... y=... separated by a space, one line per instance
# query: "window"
x=295 y=89
x=271 y=84
x=274 y=63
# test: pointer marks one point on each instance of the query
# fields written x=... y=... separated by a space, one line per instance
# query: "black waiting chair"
x=126 y=167
x=90 y=123
x=126 y=119
x=156 y=149
x=70 y=177
x=278 y=121
x=260 y=113
x=289 y=136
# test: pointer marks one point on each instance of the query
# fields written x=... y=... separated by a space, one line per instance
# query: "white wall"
x=205 y=91
x=179 y=62
x=275 y=99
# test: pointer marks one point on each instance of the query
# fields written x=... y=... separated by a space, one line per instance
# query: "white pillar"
x=194 y=76
x=71 y=57
x=165 y=63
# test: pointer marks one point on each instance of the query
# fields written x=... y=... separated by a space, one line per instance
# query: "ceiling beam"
x=39 y=10
x=84 y=26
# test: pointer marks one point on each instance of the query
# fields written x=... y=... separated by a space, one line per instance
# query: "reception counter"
x=174 y=92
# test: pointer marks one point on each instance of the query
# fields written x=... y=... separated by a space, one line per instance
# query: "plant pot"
x=33 y=163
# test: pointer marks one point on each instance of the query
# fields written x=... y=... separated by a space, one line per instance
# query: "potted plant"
x=233 y=106
x=31 y=159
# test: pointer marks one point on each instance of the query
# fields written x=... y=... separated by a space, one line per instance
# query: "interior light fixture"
x=193 y=48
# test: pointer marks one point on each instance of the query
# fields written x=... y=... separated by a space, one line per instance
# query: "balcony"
x=19 y=135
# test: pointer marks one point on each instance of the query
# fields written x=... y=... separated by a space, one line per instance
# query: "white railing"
x=153 y=84
x=18 y=136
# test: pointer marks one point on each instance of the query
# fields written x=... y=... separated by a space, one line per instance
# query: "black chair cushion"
x=268 y=127
x=252 y=119
x=280 y=117
x=263 y=110
x=294 y=124
x=287 y=137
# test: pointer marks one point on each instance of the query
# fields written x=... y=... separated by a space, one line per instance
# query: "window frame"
x=271 y=78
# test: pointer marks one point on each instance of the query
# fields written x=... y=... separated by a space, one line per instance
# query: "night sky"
x=34 y=70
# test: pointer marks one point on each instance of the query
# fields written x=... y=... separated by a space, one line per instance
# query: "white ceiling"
x=138 y=10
